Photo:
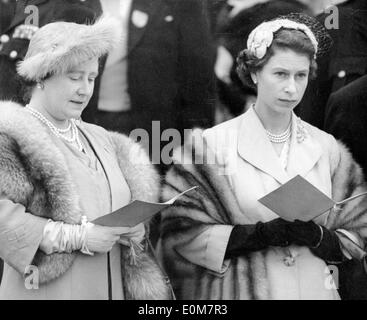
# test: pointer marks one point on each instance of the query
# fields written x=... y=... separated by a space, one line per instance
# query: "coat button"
x=4 y=38
x=13 y=54
x=342 y=74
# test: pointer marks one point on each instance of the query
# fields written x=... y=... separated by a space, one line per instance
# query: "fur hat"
x=57 y=47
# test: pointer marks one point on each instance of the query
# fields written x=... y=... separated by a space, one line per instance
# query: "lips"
x=287 y=101
x=77 y=102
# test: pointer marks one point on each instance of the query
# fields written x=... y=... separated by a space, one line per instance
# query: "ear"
x=254 y=77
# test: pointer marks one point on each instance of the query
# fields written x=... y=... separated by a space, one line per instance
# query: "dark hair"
x=27 y=87
x=295 y=40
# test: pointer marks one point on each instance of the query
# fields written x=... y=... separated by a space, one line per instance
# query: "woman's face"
x=66 y=95
x=282 y=81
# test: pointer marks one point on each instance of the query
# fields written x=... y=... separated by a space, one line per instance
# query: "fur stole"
x=215 y=203
x=34 y=173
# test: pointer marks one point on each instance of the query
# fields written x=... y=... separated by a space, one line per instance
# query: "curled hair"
x=27 y=87
x=291 y=39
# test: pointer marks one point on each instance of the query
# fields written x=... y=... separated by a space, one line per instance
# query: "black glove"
x=322 y=242
x=255 y=237
x=302 y=233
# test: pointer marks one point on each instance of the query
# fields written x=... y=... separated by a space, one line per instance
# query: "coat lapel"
x=103 y=155
x=304 y=151
x=255 y=147
x=141 y=14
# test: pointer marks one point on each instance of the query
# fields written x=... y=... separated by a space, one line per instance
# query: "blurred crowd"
x=176 y=64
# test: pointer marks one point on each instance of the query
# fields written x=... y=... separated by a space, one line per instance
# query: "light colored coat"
x=36 y=183
x=246 y=168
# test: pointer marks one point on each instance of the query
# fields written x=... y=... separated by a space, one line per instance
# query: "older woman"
x=58 y=174
x=222 y=243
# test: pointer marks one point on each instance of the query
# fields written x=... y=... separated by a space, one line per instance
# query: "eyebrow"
x=83 y=72
x=285 y=69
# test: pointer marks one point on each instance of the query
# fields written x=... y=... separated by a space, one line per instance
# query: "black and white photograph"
x=183 y=153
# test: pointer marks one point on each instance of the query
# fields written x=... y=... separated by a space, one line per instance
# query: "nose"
x=291 y=86
x=85 y=88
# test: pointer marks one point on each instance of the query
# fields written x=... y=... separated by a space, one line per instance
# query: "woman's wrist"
x=321 y=237
x=61 y=237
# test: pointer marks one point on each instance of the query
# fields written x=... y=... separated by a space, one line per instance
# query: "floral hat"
x=262 y=36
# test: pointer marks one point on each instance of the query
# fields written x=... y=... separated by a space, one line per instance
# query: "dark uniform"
x=346 y=61
x=170 y=73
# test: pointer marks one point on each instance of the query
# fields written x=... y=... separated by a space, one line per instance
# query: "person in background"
x=346 y=61
x=161 y=71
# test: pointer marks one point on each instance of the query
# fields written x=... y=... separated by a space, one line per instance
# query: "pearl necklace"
x=279 y=138
x=60 y=133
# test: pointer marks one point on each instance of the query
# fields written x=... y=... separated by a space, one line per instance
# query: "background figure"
x=346 y=61
x=234 y=25
x=346 y=119
x=15 y=35
x=165 y=65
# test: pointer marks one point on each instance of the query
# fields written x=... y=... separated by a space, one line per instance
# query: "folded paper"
x=136 y=212
x=299 y=199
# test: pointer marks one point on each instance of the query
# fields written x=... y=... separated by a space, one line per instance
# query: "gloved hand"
x=321 y=241
x=102 y=239
x=303 y=233
x=254 y=237
x=273 y=233
x=135 y=234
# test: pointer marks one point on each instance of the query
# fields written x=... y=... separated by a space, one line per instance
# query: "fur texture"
x=214 y=203
x=34 y=173
x=59 y=46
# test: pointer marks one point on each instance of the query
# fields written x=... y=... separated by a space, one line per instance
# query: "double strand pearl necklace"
x=60 y=133
x=279 y=138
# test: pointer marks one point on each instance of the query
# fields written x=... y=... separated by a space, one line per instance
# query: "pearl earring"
x=255 y=81
x=40 y=85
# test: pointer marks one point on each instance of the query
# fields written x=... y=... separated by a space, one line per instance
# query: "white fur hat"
x=57 y=47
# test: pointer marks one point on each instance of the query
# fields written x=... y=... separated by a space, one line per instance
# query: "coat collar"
x=102 y=155
x=255 y=147
x=145 y=7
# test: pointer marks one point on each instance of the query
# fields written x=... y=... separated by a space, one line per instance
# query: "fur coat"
x=186 y=224
x=34 y=173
